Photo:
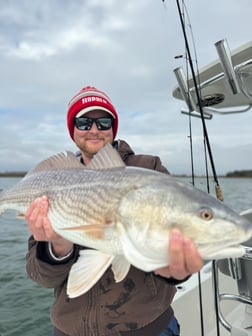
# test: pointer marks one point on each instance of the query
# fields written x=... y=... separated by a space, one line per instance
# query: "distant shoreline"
x=13 y=174
x=236 y=173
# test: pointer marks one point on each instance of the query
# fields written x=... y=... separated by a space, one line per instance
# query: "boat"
x=225 y=84
x=218 y=300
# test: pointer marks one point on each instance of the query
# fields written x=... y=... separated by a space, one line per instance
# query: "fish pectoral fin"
x=92 y=230
x=87 y=270
x=143 y=258
x=120 y=268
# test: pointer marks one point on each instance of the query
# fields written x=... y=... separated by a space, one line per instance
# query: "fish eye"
x=206 y=214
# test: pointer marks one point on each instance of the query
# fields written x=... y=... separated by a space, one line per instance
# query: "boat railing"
x=240 y=269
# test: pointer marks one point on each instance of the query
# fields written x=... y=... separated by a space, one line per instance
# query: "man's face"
x=91 y=141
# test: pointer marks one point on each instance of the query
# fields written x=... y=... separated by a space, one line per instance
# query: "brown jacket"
x=137 y=306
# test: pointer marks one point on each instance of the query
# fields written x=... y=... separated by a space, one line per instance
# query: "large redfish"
x=124 y=215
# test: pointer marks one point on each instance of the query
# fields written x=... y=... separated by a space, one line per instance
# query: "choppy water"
x=24 y=306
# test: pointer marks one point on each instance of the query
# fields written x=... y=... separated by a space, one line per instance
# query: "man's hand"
x=41 y=229
x=184 y=258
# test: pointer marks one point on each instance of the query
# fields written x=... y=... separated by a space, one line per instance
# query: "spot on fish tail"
x=20 y=216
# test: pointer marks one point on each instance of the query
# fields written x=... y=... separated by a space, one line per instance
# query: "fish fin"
x=120 y=268
x=64 y=160
x=146 y=261
x=92 y=230
x=87 y=270
x=106 y=158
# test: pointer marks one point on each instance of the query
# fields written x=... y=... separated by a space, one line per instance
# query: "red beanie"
x=87 y=99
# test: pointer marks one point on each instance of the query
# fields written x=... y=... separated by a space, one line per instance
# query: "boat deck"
x=187 y=308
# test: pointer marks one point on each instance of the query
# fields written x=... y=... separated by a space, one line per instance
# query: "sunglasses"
x=85 y=124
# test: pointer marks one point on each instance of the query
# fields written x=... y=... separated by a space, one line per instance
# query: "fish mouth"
x=222 y=252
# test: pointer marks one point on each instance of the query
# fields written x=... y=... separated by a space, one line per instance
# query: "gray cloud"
x=49 y=50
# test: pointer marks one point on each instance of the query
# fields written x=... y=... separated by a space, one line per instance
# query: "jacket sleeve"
x=43 y=269
x=138 y=160
x=159 y=167
x=146 y=161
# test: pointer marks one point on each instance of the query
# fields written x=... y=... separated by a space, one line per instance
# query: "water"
x=24 y=306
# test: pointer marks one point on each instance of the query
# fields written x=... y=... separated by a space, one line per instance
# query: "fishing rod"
x=199 y=101
x=207 y=149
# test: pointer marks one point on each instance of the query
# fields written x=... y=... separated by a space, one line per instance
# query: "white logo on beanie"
x=93 y=99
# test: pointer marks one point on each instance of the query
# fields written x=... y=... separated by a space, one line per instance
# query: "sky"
x=49 y=50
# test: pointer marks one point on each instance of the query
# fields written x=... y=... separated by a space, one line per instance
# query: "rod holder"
x=227 y=65
x=184 y=90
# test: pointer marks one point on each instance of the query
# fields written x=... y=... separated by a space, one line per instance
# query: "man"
x=140 y=304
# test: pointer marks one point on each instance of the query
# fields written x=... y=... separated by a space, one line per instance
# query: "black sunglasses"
x=85 y=124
